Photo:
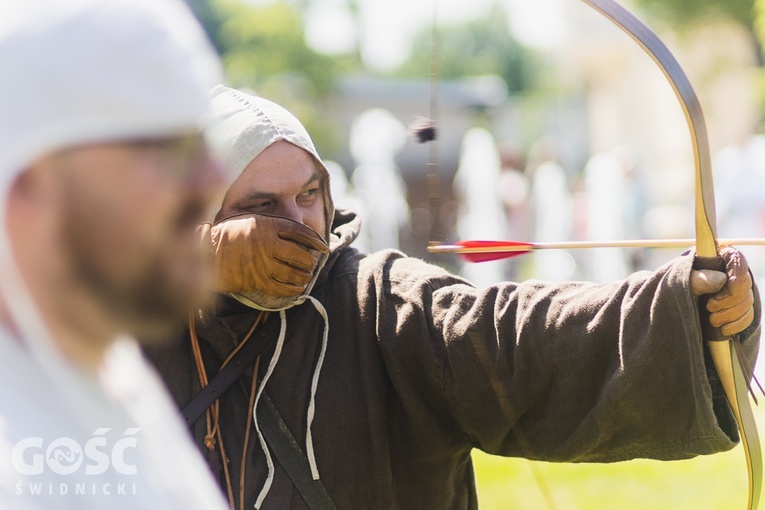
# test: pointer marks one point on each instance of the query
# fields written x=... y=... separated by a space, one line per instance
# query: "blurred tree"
x=759 y=30
x=263 y=49
x=482 y=46
x=210 y=19
x=759 y=21
x=683 y=14
x=686 y=12
x=261 y=42
x=749 y=14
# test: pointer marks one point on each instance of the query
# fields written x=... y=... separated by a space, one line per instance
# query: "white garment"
x=93 y=442
x=78 y=72
x=84 y=71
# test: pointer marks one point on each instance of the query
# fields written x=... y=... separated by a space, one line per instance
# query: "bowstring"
x=435 y=234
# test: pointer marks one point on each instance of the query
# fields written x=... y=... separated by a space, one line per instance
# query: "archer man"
x=369 y=378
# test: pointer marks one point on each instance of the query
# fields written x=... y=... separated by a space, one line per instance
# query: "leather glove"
x=731 y=305
x=270 y=254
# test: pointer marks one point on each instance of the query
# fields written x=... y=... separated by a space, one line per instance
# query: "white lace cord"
x=31 y=328
x=314 y=385
x=271 y=366
x=22 y=309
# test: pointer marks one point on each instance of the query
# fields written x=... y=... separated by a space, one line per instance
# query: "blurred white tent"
x=553 y=220
x=344 y=196
x=481 y=213
x=608 y=214
x=375 y=139
x=740 y=196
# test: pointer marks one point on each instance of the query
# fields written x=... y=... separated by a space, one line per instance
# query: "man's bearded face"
x=129 y=213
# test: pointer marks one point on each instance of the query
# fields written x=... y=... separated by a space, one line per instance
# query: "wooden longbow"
x=722 y=349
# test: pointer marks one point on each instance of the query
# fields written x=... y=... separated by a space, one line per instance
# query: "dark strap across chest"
x=282 y=443
x=224 y=379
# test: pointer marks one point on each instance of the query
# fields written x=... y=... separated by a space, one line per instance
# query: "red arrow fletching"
x=492 y=250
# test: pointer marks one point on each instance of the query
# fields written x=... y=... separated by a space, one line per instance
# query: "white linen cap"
x=81 y=71
x=243 y=125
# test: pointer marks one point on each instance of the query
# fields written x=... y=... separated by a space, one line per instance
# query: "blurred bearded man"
x=365 y=381
x=105 y=177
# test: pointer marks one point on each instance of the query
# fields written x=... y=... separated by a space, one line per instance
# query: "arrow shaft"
x=578 y=245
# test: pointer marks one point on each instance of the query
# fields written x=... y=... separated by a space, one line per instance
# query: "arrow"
x=484 y=251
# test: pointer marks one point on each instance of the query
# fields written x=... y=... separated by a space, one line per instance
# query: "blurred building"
x=611 y=94
x=462 y=105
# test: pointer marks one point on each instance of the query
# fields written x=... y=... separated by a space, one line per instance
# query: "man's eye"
x=309 y=193
x=258 y=206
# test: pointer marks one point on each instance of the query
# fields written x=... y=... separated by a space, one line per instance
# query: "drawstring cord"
x=269 y=371
x=311 y=404
x=314 y=385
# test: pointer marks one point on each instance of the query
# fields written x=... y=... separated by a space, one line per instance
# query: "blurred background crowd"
x=553 y=124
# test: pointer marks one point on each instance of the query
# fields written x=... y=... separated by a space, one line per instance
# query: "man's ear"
x=34 y=183
x=34 y=192
x=23 y=187
x=30 y=218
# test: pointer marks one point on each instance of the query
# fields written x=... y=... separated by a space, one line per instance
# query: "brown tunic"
x=422 y=367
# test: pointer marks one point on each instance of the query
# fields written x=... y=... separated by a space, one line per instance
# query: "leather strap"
x=224 y=379
x=291 y=456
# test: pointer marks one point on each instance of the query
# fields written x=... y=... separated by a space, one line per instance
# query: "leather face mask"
x=271 y=255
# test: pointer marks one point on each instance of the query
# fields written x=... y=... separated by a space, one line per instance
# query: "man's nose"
x=291 y=210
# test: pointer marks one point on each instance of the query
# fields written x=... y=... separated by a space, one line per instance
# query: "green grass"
x=705 y=483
